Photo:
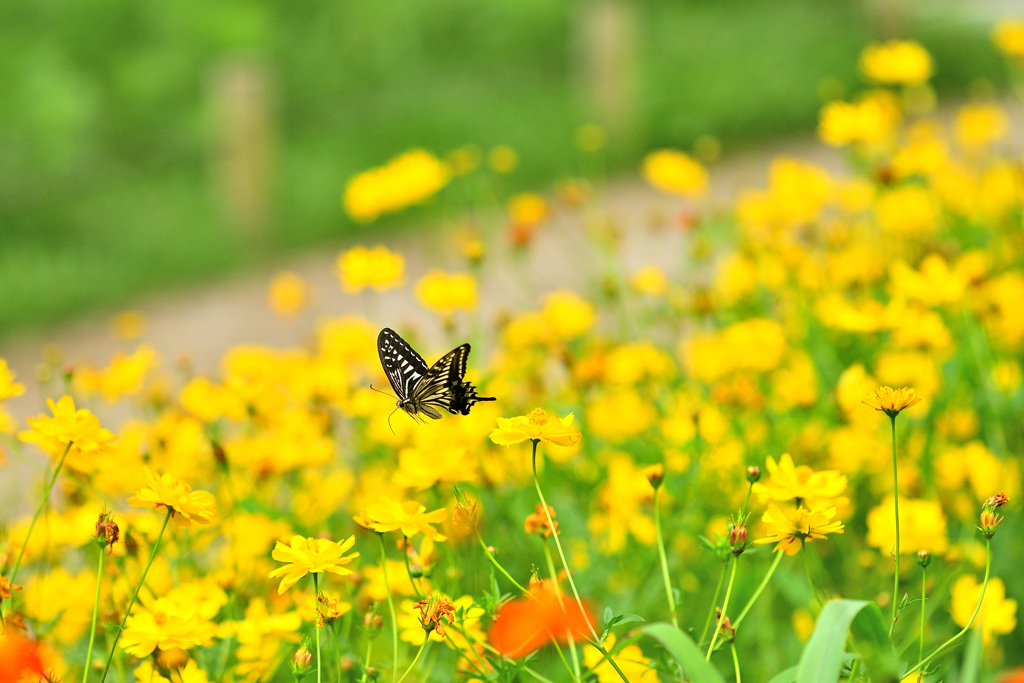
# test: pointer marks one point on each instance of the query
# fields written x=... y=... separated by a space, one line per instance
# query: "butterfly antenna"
x=383 y=392
x=389 y=420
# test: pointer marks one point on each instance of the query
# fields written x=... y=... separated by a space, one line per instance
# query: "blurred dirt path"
x=204 y=321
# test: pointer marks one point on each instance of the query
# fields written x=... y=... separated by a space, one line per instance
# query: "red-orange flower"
x=529 y=623
x=18 y=657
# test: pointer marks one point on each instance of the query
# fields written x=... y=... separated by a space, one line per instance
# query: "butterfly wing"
x=442 y=386
x=404 y=367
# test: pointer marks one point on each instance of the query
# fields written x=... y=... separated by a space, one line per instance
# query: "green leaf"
x=786 y=676
x=822 y=658
x=686 y=652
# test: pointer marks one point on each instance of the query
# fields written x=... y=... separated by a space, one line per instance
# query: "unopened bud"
x=107 y=531
x=655 y=475
x=738 y=539
x=301 y=662
x=171 y=660
x=923 y=558
x=989 y=522
x=753 y=473
x=372 y=673
x=373 y=622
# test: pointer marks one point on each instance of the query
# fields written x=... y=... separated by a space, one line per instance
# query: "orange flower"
x=18 y=657
x=537 y=522
x=527 y=624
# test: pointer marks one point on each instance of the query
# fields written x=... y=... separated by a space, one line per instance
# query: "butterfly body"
x=422 y=389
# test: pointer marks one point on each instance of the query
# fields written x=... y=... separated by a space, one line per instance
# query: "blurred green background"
x=149 y=144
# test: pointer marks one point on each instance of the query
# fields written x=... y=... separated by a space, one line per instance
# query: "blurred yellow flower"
x=998 y=614
x=674 y=172
x=910 y=210
x=464 y=160
x=76 y=431
x=409 y=517
x=170 y=494
x=980 y=125
x=377 y=268
x=896 y=62
x=1008 y=35
x=8 y=387
x=801 y=485
x=129 y=325
x=125 y=376
x=922 y=526
x=57 y=597
x=183 y=618
x=408 y=179
x=527 y=209
x=649 y=280
x=311 y=556
x=892 y=401
x=288 y=294
x=445 y=293
x=619 y=415
x=872 y=120
x=502 y=159
x=567 y=315
x=630 y=659
x=789 y=529
x=539 y=425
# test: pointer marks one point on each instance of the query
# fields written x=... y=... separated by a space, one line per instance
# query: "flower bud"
x=997 y=501
x=655 y=475
x=373 y=622
x=107 y=531
x=738 y=539
x=989 y=522
x=372 y=673
x=301 y=662
x=171 y=660
x=923 y=558
x=753 y=473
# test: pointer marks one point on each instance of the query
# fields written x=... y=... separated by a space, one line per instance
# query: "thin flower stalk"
x=568 y=573
x=669 y=595
x=735 y=662
x=714 y=601
x=920 y=649
x=574 y=670
x=760 y=588
x=135 y=595
x=416 y=659
x=391 y=607
x=316 y=604
x=896 y=507
x=494 y=561
x=95 y=616
x=725 y=606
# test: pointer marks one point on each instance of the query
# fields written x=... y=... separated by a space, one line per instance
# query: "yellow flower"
x=527 y=209
x=502 y=159
x=463 y=613
x=892 y=401
x=411 y=178
x=8 y=387
x=567 y=315
x=378 y=268
x=129 y=325
x=125 y=376
x=922 y=526
x=802 y=485
x=979 y=125
x=650 y=280
x=619 y=415
x=872 y=120
x=539 y=425
x=288 y=294
x=408 y=516
x=675 y=172
x=897 y=62
x=79 y=428
x=997 y=615
x=182 y=619
x=789 y=529
x=630 y=659
x=311 y=556
x=170 y=494
x=1008 y=35
x=909 y=210
x=445 y=293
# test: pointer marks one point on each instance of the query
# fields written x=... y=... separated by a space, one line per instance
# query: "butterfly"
x=424 y=390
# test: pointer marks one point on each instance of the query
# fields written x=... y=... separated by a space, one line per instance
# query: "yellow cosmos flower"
x=1008 y=35
x=288 y=294
x=527 y=209
x=183 y=619
x=674 y=172
x=445 y=293
x=997 y=615
x=979 y=125
x=170 y=494
x=922 y=526
x=791 y=528
x=650 y=280
x=802 y=485
x=8 y=387
x=872 y=120
x=567 y=315
x=408 y=516
x=539 y=425
x=897 y=62
x=630 y=659
x=79 y=428
x=412 y=178
x=892 y=401
x=376 y=268
x=125 y=376
x=311 y=556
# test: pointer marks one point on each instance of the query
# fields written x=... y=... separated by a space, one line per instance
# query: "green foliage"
x=823 y=656
x=685 y=651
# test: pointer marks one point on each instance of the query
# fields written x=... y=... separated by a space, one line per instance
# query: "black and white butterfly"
x=424 y=390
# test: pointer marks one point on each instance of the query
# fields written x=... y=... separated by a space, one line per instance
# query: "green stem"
x=369 y=651
x=316 y=624
x=725 y=606
x=818 y=597
x=391 y=607
x=760 y=588
x=735 y=661
x=568 y=573
x=127 y=613
x=95 y=616
x=408 y=570
x=494 y=561
x=573 y=671
x=714 y=601
x=984 y=584
x=426 y=639
x=575 y=657
x=39 y=510
x=920 y=649
x=896 y=507
x=664 y=561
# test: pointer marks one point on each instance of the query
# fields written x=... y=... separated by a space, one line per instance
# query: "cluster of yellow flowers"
x=705 y=429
